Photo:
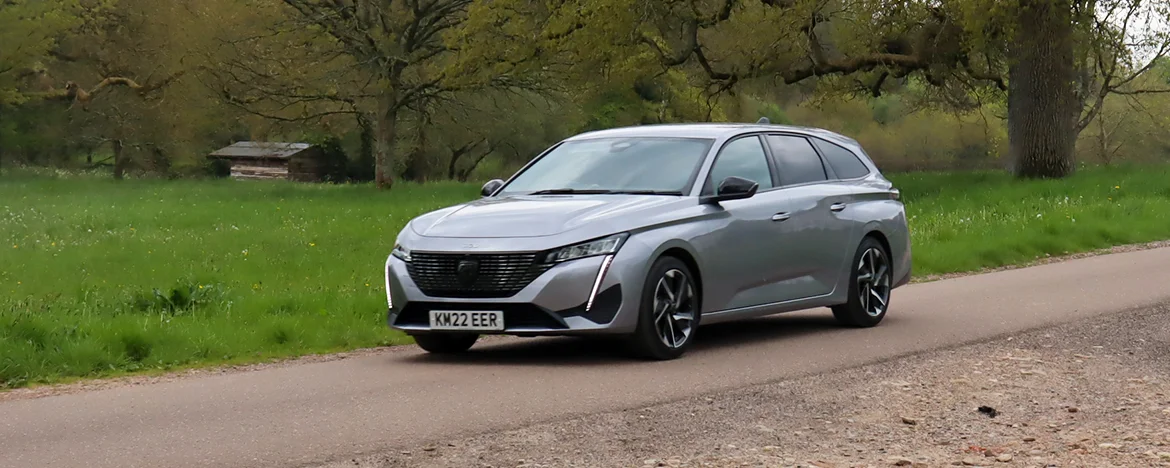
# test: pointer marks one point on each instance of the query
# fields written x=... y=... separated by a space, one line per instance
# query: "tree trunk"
x=466 y=174
x=119 y=160
x=451 y=164
x=365 y=168
x=1103 y=140
x=385 y=135
x=1042 y=103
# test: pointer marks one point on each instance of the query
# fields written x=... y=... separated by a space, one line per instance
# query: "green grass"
x=98 y=277
x=101 y=278
x=963 y=222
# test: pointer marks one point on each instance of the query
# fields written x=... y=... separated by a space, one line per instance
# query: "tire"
x=667 y=277
x=445 y=343
x=869 y=299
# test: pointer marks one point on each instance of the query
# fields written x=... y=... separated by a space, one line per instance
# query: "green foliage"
x=219 y=168
x=332 y=158
x=29 y=30
x=494 y=82
x=184 y=297
x=614 y=108
x=887 y=109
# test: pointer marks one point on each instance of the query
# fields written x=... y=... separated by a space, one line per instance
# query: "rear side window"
x=796 y=159
x=742 y=158
x=844 y=162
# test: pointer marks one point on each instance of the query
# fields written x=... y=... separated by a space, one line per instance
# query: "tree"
x=29 y=30
x=134 y=56
x=370 y=60
x=1028 y=48
x=1130 y=38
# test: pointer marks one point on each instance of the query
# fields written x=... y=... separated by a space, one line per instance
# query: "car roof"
x=712 y=131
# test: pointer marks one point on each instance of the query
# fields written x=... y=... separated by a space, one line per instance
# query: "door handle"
x=837 y=207
x=780 y=217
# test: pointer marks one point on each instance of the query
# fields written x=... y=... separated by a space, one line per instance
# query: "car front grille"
x=483 y=275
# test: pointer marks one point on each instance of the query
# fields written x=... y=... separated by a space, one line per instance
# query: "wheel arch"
x=875 y=232
x=685 y=253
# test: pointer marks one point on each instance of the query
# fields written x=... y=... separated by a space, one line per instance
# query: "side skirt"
x=764 y=310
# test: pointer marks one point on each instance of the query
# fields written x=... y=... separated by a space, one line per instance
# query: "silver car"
x=646 y=232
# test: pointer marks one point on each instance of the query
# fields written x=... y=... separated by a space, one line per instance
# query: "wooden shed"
x=300 y=162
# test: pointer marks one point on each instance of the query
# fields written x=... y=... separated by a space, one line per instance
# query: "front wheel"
x=870 y=279
x=669 y=313
x=445 y=343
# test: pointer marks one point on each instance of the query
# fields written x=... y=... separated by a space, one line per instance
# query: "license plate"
x=479 y=320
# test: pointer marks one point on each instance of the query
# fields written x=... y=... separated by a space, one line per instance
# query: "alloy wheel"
x=873 y=281
x=674 y=308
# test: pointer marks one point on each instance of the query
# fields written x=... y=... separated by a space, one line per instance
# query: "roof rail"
x=763 y=121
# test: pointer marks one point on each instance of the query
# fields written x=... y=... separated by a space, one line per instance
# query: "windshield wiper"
x=647 y=192
x=567 y=191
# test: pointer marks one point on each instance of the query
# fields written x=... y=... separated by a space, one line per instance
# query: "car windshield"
x=614 y=165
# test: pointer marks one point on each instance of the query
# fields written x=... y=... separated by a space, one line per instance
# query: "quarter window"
x=796 y=160
x=843 y=161
x=744 y=158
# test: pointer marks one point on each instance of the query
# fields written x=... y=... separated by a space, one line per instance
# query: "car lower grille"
x=482 y=276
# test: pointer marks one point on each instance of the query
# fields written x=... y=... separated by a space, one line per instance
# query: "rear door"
x=818 y=230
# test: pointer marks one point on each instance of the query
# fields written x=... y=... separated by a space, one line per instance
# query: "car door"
x=741 y=248
x=818 y=228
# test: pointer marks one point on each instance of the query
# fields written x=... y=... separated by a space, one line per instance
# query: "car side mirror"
x=733 y=188
x=490 y=187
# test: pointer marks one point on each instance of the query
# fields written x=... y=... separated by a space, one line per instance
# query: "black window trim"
x=709 y=186
x=868 y=170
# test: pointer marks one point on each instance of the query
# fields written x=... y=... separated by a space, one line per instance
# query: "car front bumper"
x=567 y=299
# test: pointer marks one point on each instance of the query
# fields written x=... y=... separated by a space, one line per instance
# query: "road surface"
x=312 y=413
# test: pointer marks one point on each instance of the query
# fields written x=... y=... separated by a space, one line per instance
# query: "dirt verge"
x=1086 y=394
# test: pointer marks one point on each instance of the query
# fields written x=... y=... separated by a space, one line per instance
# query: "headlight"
x=401 y=252
x=606 y=246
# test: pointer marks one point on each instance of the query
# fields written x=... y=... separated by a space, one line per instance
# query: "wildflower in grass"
x=312 y=244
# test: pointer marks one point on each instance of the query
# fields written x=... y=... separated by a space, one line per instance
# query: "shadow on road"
x=574 y=351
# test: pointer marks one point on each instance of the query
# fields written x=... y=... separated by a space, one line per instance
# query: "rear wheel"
x=870 y=279
x=445 y=343
x=669 y=313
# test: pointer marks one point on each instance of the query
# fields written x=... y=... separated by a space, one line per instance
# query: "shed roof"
x=260 y=150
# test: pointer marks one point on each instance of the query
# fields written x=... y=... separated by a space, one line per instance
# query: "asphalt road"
x=311 y=413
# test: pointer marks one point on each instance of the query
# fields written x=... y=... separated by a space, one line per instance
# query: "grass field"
x=100 y=278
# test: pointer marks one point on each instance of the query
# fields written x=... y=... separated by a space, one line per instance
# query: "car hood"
x=531 y=216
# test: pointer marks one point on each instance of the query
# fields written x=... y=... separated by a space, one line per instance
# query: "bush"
x=219 y=168
x=333 y=160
